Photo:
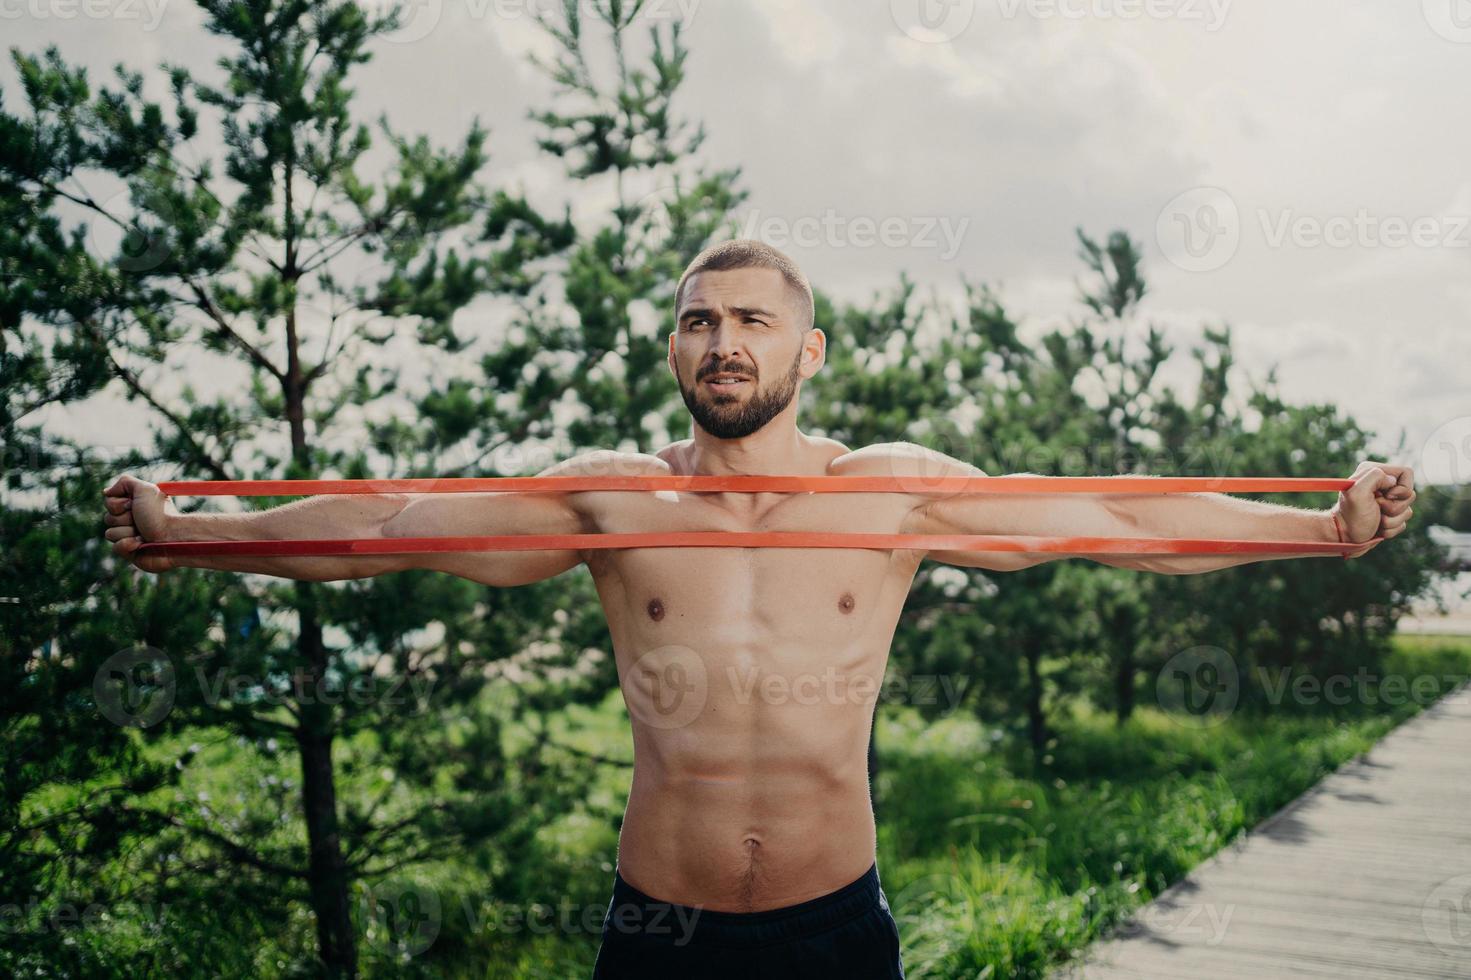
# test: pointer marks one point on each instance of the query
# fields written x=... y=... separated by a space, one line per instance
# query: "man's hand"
x=137 y=511
x=1378 y=505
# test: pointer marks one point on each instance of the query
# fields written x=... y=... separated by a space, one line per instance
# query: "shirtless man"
x=750 y=675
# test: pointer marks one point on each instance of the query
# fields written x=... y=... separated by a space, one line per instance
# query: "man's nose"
x=724 y=339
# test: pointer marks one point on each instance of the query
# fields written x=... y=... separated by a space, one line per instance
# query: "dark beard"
x=726 y=420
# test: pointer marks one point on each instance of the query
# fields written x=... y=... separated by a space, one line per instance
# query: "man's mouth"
x=726 y=380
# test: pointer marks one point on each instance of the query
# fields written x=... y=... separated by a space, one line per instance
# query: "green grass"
x=996 y=869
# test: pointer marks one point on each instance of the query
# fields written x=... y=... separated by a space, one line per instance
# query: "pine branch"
x=207 y=304
x=530 y=418
x=216 y=469
x=238 y=852
x=428 y=851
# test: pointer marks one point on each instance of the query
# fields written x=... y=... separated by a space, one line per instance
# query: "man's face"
x=739 y=349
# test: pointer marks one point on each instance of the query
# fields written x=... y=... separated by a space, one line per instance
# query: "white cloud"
x=804 y=34
x=1027 y=127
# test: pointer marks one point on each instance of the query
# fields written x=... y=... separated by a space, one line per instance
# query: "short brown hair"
x=748 y=253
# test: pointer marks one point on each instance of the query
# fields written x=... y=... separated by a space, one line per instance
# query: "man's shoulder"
x=898 y=459
x=610 y=462
x=595 y=509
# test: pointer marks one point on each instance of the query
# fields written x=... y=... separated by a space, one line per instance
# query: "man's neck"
x=771 y=451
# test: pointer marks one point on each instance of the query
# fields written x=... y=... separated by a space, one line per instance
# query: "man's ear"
x=814 y=344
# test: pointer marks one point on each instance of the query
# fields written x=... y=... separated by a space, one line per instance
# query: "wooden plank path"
x=1368 y=874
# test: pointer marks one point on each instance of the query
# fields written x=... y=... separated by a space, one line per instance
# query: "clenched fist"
x=137 y=511
x=1378 y=505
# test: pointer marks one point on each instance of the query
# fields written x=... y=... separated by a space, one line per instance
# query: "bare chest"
x=806 y=597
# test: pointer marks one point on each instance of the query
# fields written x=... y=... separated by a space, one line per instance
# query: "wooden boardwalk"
x=1368 y=874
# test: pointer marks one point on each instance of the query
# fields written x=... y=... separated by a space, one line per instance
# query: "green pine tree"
x=314 y=287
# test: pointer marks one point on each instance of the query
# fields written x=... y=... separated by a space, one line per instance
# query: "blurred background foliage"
x=215 y=774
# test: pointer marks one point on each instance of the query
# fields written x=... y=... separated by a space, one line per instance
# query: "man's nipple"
x=656 y=609
x=846 y=603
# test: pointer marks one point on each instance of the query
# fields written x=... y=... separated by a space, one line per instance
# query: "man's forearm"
x=334 y=516
x=1213 y=515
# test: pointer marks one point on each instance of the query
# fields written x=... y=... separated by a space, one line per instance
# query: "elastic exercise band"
x=761 y=484
x=771 y=539
x=747 y=539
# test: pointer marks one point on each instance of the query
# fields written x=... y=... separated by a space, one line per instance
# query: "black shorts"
x=848 y=933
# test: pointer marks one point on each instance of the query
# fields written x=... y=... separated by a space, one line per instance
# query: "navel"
x=656 y=609
x=846 y=603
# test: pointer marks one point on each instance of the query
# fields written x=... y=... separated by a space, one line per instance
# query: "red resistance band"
x=760 y=484
x=774 y=539
x=747 y=539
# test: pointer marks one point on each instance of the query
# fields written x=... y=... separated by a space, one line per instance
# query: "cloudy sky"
x=1299 y=170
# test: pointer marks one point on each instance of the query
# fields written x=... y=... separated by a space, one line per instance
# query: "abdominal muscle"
x=751 y=807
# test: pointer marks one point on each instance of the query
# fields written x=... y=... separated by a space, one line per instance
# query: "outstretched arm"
x=137 y=512
x=1377 y=505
